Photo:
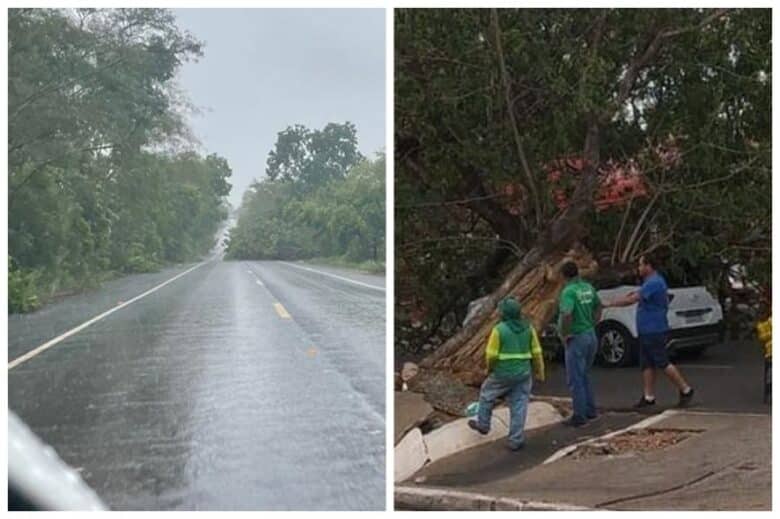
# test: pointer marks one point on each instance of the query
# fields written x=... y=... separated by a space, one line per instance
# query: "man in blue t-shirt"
x=653 y=327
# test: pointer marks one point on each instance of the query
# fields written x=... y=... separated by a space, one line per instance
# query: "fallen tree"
x=471 y=94
x=535 y=282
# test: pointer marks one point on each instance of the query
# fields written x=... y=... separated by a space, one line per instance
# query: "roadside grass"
x=30 y=294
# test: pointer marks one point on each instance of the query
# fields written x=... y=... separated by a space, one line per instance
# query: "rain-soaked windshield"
x=196 y=253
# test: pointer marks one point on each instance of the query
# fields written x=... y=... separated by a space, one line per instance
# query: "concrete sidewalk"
x=416 y=450
x=725 y=465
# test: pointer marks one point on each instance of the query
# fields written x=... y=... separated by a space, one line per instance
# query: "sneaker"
x=685 y=398
x=475 y=425
x=514 y=448
x=574 y=421
x=591 y=417
x=644 y=402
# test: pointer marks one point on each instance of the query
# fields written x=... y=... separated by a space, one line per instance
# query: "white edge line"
x=45 y=346
x=382 y=289
x=639 y=425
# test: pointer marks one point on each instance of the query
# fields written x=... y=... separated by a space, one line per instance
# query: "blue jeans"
x=517 y=390
x=580 y=353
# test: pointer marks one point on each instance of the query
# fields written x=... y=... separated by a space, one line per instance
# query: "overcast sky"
x=266 y=69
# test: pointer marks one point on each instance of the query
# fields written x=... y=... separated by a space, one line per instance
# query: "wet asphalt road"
x=239 y=386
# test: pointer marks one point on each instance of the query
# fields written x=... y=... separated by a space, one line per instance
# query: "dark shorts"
x=652 y=351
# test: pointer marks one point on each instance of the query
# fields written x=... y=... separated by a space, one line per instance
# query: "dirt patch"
x=631 y=442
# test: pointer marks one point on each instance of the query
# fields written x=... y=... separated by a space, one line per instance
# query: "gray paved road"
x=727 y=377
x=241 y=385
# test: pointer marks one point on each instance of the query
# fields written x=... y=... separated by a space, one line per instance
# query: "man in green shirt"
x=579 y=311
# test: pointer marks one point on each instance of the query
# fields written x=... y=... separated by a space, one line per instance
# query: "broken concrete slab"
x=540 y=414
x=411 y=410
x=410 y=455
x=457 y=436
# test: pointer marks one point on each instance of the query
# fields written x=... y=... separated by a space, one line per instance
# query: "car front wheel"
x=617 y=347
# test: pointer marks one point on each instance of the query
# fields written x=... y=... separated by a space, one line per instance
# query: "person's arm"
x=537 y=357
x=566 y=308
x=566 y=320
x=627 y=300
x=491 y=352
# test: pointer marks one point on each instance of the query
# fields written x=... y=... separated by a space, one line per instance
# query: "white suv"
x=695 y=323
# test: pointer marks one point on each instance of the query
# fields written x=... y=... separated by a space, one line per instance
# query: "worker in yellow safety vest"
x=513 y=352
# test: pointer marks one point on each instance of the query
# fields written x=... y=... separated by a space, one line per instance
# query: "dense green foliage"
x=320 y=198
x=96 y=184
x=487 y=99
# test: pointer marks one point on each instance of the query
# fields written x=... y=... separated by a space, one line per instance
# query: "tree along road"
x=238 y=385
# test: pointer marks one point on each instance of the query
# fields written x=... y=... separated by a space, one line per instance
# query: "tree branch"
x=638 y=226
x=620 y=231
x=515 y=131
x=463 y=201
x=517 y=251
x=12 y=190
x=55 y=87
x=660 y=243
x=481 y=202
x=650 y=50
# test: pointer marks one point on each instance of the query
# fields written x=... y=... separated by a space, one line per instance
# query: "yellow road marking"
x=281 y=311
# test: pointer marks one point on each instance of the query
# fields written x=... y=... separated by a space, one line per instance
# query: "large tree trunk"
x=535 y=282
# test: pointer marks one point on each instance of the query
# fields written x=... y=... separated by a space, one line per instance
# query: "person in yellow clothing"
x=764 y=332
x=513 y=352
